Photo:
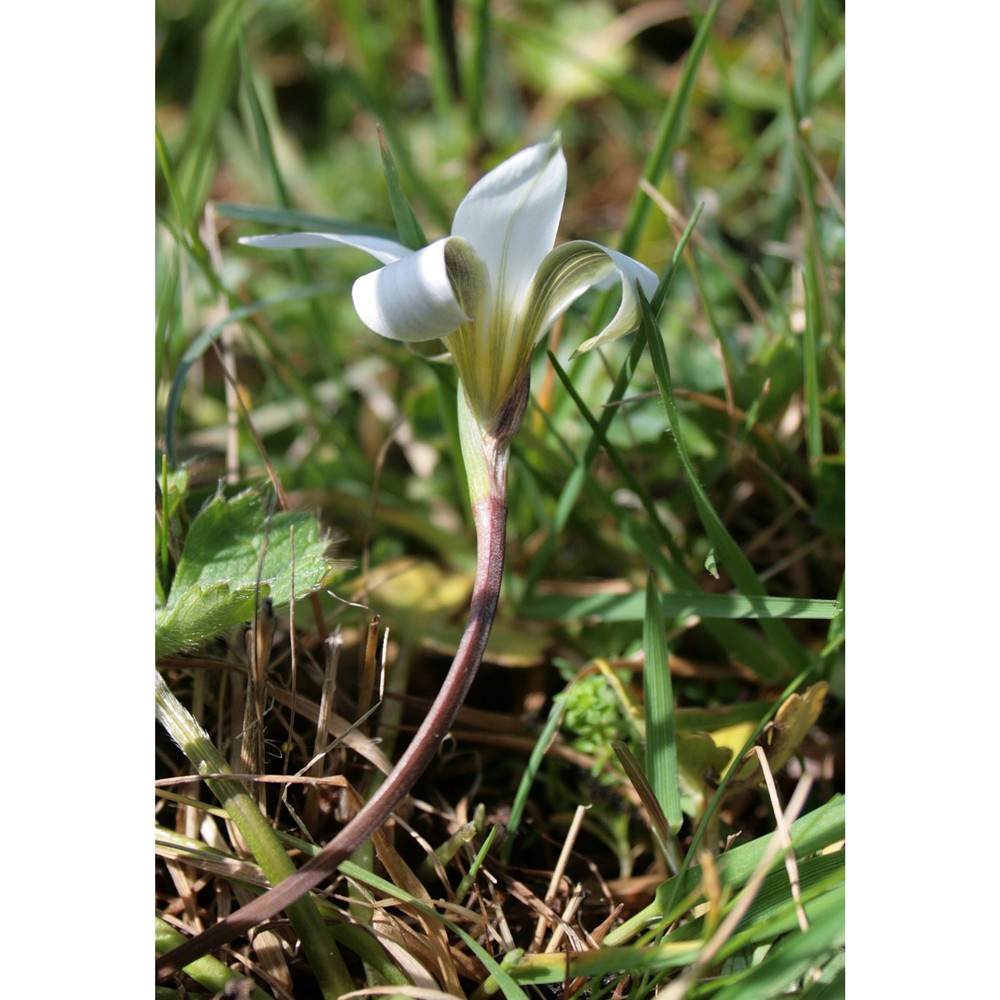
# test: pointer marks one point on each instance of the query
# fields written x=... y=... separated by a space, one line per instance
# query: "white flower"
x=496 y=285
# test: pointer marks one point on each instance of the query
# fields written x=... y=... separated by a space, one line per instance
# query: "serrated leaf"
x=203 y=612
x=215 y=586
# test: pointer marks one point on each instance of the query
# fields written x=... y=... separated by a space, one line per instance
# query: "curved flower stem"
x=490 y=514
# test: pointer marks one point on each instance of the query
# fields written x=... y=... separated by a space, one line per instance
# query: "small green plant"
x=667 y=824
x=236 y=555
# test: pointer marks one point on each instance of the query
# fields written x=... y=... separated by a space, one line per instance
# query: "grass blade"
x=729 y=552
x=661 y=730
x=632 y=607
x=580 y=475
x=668 y=134
x=410 y=232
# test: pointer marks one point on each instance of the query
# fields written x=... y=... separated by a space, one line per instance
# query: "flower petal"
x=411 y=299
x=387 y=251
x=570 y=270
x=511 y=216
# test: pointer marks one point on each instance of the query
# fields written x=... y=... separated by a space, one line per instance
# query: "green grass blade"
x=668 y=133
x=319 y=328
x=615 y=455
x=581 y=474
x=207 y=971
x=810 y=363
x=327 y=964
x=741 y=643
x=507 y=984
x=726 y=548
x=436 y=34
x=545 y=738
x=186 y=226
x=793 y=956
x=810 y=834
x=475 y=86
x=410 y=232
x=293 y=219
x=207 y=338
x=217 y=67
x=661 y=731
x=261 y=129
x=632 y=608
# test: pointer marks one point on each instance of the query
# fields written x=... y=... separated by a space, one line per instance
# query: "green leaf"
x=631 y=607
x=726 y=548
x=294 y=219
x=410 y=232
x=661 y=731
x=810 y=834
x=207 y=971
x=795 y=955
x=216 y=583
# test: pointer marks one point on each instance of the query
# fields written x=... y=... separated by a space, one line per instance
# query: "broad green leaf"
x=215 y=586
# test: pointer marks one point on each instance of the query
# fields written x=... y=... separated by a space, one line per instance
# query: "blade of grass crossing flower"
x=410 y=232
x=741 y=643
x=580 y=475
x=658 y=706
x=613 y=453
x=728 y=551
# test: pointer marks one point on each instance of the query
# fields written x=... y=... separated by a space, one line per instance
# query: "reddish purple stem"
x=490 y=516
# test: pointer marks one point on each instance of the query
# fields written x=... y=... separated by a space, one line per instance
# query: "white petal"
x=511 y=216
x=630 y=273
x=387 y=251
x=573 y=268
x=411 y=299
